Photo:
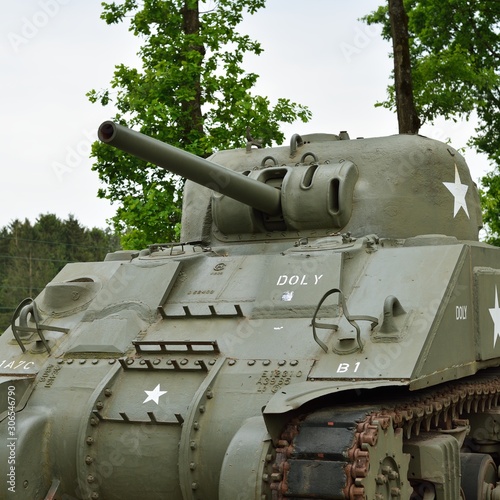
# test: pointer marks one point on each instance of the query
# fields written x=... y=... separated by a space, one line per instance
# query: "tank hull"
x=335 y=349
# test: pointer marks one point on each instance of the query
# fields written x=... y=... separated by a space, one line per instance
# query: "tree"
x=191 y=92
x=454 y=52
x=408 y=120
x=32 y=254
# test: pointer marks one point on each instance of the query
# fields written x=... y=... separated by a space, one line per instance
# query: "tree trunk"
x=408 y=120
x=191 y=110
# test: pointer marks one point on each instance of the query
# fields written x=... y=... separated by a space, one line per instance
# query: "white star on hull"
x=154 y=395
x=495 y=316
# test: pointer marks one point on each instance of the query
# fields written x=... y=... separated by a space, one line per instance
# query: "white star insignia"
x=154 y=395
x=495 y=316
x=458 y=190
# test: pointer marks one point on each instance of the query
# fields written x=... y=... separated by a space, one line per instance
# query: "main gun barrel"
x=235 y=185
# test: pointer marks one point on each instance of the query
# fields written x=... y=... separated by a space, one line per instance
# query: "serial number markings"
x=345 y=367
x=17 y=364
x=273 y=380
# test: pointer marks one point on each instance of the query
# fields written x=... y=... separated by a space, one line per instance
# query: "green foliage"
x=490 y=202
x=455 y=49
x=191 y=92
x=32 y=254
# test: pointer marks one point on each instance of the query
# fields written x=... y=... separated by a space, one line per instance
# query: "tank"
x=327 y=328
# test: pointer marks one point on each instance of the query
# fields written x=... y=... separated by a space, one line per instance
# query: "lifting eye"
x=269 y=158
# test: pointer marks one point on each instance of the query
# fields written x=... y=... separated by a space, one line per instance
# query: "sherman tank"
x=327 y=329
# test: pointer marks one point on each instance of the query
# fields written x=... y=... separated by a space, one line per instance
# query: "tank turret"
x=396 y=187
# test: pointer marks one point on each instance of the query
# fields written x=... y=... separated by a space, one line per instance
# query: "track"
x=356 y=452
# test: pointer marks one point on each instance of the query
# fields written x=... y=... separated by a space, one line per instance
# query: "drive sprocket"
x=381 y=467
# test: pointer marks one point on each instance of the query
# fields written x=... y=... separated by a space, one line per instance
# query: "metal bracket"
x=126 y=420
x=351 y=319
x=238 y=313
x=28 y=306
x=170 y=346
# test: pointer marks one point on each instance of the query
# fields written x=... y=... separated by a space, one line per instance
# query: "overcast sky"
x=52 y=52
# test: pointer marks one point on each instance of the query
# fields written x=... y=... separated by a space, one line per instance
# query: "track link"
x=326 y=454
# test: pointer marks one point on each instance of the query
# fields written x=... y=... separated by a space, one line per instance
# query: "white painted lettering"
x=460 y=312
x=282 y=280
x=343 y=367
x=17 y=364
x=296 y=279
x=317 y=278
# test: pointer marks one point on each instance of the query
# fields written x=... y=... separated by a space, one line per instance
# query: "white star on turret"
x=458 y=190
x=154 y=395
x=495 y=316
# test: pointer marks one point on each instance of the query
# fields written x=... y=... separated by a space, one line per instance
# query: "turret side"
x=396 y=187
